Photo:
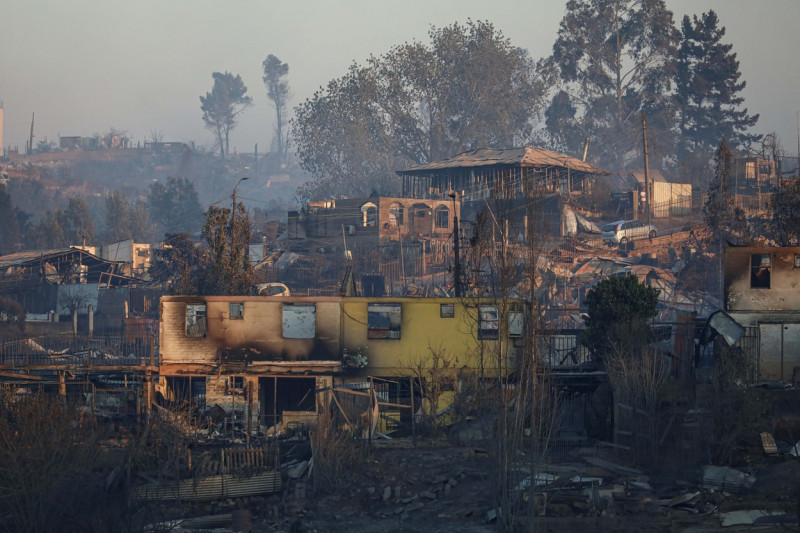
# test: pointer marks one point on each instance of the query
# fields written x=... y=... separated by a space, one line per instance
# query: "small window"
x=760 y=266
x=488 y=322
x=383 y=321
x=195 y=320
x=299 y=321
x=447 y=310
x=237 y=311
x=442 y=218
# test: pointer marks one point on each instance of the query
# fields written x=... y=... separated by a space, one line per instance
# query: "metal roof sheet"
x=528 y=156
x=21 y=258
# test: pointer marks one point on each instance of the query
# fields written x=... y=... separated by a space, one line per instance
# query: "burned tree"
x=222 y=106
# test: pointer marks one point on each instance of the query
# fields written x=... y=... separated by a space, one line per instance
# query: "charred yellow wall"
x=258 y=336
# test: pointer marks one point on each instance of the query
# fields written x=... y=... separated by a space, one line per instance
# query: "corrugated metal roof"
x=529 y=156
x=20 y=258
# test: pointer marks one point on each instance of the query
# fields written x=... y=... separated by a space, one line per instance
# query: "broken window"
x=760 y=265
x=299 y=321
x=447 y=310
x=442 y=218
x=236 y=311
x=195 y=320
x=383 y=321
x=488 y=322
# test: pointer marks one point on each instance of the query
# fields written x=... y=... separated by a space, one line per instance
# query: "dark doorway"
x=186 y=391
x=279 y=394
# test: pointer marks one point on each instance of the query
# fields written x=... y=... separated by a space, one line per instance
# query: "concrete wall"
x=784 y=291
x=774 y=311
x=257 y=336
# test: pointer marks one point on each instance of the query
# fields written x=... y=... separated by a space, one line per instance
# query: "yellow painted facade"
x=250 y=342
x=423 y=327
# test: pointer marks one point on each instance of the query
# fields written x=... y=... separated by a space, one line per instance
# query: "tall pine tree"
x=709 y=91
x=612 y=59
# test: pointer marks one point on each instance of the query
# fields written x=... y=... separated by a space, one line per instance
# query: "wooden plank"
x=768 y=443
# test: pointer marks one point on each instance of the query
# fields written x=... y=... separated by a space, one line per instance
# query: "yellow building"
x=270 y=355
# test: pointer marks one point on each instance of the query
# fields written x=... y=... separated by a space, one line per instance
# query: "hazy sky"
x=85 y=66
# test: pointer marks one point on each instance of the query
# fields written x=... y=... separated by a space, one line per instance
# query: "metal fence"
x=76 y=350
x=557 y=348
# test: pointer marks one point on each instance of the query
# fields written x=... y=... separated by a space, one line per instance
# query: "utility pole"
x=457 y=262
x=646 y=168
x=585 y=149
x=233 y=214
x=402 y=260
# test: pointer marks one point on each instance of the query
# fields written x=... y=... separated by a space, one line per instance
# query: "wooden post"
x=233 y=407
x=371 y=390
x=148 y=393
x=62 y=385
x=646 y=167
x=249 y=410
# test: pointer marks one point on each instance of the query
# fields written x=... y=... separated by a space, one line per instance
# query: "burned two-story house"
x=762 y=293
x=272 y=359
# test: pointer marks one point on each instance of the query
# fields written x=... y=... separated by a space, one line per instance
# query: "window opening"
x=488 y=322
x=760 y=266
x=396 y=214
x=195 y=320
x=442 y=218
x=369 y=212
x=383 y=321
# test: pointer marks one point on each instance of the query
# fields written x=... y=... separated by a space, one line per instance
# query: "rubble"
x=726 y=478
